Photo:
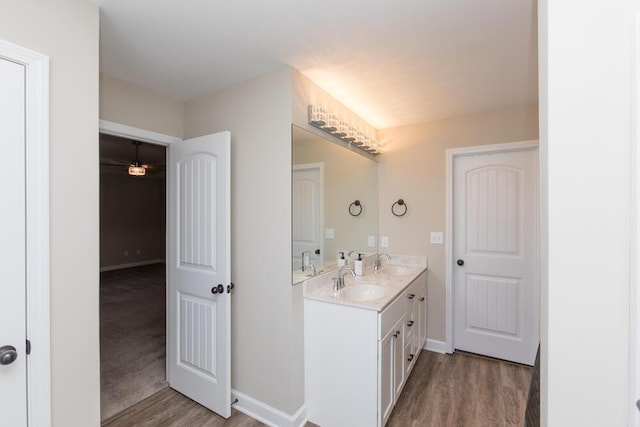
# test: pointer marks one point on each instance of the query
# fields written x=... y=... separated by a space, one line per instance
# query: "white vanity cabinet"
x=357 y=360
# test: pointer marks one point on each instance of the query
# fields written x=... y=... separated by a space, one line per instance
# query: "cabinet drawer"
x=391 y=315
x=417 y=287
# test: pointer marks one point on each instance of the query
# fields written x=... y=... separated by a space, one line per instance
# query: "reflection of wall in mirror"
x=348 y=176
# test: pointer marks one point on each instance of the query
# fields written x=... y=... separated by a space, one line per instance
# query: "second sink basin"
x=362 y=292
x=395 y=270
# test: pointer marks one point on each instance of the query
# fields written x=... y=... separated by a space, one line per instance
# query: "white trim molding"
x=435 y=346
x=125 y=131
x=37 y=229
x=634 y=258
x=266 y=413
x=451 y=154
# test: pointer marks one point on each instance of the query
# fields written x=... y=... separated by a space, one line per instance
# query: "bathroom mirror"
x=334 y=203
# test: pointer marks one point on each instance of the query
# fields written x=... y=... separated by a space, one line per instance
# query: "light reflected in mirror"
x=327 y=180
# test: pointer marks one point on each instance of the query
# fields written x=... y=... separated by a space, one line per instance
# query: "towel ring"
x=352 y=209
x=400 y=202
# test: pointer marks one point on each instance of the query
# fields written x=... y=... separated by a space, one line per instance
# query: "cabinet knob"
x=422 y=299
x=411 y=296
x=410 y=358
x=410 y=323
x=460 y=262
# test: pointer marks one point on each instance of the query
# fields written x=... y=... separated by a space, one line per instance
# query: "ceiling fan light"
x=136 y=170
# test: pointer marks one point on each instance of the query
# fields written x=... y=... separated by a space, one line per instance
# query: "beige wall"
x=266 y=323
x=67 y=31
x=127 y=104
x=586 y=96
x=412 y=168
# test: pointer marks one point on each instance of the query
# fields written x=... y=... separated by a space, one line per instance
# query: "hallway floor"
x=132 y=336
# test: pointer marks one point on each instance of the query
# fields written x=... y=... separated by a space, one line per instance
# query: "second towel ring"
x=400 y=203
x=357 y=210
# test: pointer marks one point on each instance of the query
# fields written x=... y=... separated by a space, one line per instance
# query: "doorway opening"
x=132 y=272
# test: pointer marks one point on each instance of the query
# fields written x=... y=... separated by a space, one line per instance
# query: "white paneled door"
x=307 y=213
x=199 y=285
x=496 y=254
x=13 y=362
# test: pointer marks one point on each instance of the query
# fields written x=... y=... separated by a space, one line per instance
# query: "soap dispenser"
x=341 y=260
x=357 y=265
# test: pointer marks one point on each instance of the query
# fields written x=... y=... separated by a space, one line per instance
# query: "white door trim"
x=125 y=131
x=634 y=256
x=451 y=154
x=37 y=229
x=139 y=134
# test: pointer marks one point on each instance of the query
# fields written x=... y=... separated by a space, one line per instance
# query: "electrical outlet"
x=329 y=233
x=372 y=241
x=384 y=241
x=437 y=237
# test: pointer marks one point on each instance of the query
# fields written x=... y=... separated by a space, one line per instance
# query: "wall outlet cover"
x=329 y=233
x=384 y=241
x=371 y=241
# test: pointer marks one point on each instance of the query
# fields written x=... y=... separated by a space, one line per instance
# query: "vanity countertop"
x=401 y=271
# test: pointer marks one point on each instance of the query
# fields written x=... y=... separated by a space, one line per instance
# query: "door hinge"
x=28 y=349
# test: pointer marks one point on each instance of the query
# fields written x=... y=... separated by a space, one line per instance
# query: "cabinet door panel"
x=386 y=350
x=398 y=357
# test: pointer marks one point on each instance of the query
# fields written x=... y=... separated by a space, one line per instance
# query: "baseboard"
x=267 y=414
x=131 y=264
x=436 y=346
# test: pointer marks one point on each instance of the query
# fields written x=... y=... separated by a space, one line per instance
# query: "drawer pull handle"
x=411 y=296
x=410 y=323
x=410 y=358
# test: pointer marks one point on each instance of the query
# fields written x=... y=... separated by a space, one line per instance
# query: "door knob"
x=317 y=251
x=8 y=355
x=460 y=262
x=217 y=289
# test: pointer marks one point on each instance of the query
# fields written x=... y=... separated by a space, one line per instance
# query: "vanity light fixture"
x=135 y=168
x=328 y=122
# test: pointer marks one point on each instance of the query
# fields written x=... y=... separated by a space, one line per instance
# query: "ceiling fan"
x=135 y=168
x=115 y=160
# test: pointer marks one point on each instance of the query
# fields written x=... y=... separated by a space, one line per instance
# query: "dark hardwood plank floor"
x=462 y=390
x=168 y=408
x=443 y=390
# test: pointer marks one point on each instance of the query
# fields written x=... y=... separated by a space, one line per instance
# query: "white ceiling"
x=392 y=62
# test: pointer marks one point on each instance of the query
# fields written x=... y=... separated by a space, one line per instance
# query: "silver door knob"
x=8 y=355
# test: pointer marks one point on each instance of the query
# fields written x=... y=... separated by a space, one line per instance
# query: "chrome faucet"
x=338 y=282
x=378 y=264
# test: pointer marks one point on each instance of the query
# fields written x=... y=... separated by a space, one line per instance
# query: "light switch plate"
x=384 y=241
x=437 y=237
x=371 y=241
x=329 y=233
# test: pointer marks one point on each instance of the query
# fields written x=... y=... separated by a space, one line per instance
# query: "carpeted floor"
x=132 y=336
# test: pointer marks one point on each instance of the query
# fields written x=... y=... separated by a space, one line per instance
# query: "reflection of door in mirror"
x=307 y=213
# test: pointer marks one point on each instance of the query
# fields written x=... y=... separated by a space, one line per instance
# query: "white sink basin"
x=394 y=270
x=362 y=292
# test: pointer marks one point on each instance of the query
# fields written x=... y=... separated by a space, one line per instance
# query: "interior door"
x=13 y=363
x=496 y=254
x=199 y=267
x=307 y=213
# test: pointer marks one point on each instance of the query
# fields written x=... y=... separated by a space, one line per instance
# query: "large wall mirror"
x=334 y=206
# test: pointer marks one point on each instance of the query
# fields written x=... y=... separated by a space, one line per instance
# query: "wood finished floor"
x=443 y=390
